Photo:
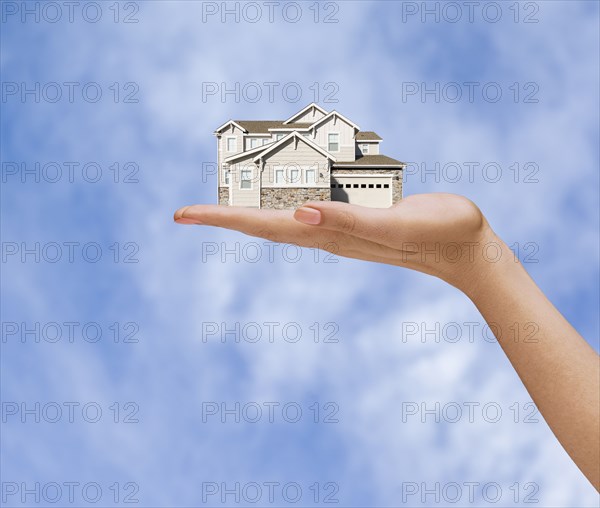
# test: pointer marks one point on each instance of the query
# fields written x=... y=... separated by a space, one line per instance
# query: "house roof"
x=371 y=161
x=263 y=126
x=367 y=136
x=285 y=139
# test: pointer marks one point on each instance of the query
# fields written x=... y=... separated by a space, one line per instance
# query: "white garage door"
x=366 y=190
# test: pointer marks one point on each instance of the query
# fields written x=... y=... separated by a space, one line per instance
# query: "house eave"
x=369 y=166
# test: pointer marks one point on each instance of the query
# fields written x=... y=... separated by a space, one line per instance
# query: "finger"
x=274 y=225
x=379 y=225
x=279 y=226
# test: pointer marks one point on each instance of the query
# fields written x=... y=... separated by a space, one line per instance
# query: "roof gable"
x=307 y=108
x=332 y=115
x=226 y=124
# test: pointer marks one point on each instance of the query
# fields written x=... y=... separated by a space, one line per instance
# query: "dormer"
x=367 y=143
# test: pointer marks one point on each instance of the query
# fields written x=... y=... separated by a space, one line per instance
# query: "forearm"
x=558 y=367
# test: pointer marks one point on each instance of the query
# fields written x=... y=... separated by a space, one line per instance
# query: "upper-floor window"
x=255 y=142
x=278 y=137
x=333 y=142
x=364 y=148
x=231 y=144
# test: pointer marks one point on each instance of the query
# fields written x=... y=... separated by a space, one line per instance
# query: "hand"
x=447 y=236
x=439 y=234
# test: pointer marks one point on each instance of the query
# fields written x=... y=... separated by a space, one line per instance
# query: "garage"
x=371 y=190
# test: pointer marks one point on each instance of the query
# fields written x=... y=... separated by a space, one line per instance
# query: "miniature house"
x=312 y=156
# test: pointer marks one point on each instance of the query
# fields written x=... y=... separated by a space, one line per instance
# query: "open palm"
x=437 y=234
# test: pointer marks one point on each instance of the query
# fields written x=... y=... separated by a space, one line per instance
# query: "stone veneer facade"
x=282 y=198
x=223 y=196
x=396 y=178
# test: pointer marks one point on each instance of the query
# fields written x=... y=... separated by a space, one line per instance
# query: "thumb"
x=374 y=224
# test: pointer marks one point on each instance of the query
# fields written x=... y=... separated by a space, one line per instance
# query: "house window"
x=246 y=178
x=333 y=142
x=254 y=142
x=265 y=141
x=306 y=134
x=279 y=178
x=295 y=175
x=365 y=149
x=231 y=144
x=278 y=137
x=226 y=173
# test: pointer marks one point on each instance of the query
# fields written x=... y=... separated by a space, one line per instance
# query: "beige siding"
x=301 y=155
x=346 y=138
x=244 y=197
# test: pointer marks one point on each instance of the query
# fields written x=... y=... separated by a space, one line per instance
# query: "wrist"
x=489 y=267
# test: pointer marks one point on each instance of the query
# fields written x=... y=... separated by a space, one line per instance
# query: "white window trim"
x=227 y=138
x=247 y=168
x=338 y=142
x=364 y=148
x=302 y=182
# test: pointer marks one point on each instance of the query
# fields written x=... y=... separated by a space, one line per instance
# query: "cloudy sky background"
x=370 y=454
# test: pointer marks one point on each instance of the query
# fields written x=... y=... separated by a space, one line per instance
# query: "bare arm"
x=559 y=369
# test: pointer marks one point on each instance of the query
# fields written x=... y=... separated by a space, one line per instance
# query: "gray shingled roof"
x=263 y=126
x=364 y=135
x=371 y=160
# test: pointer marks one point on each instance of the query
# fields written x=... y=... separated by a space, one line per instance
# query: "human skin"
x=559 y=369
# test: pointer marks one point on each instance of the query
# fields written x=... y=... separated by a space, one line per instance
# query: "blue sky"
x=374 y=451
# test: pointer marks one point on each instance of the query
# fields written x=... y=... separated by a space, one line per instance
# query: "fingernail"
x=308 y=216
x=187 y=221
